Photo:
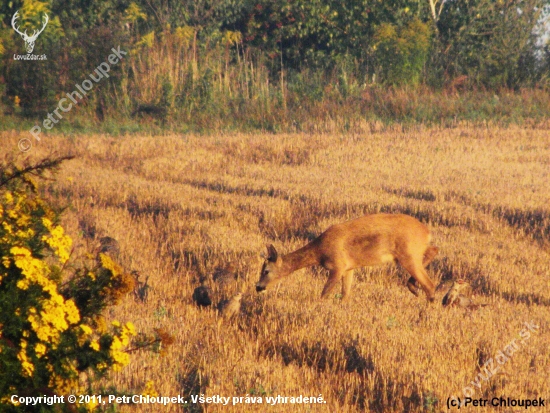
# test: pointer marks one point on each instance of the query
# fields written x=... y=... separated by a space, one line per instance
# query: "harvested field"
x=185 y=206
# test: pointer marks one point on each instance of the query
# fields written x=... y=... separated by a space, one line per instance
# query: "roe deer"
x=365 y=241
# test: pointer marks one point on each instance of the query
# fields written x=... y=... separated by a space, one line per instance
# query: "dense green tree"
x=486 y=43
x=489 y=41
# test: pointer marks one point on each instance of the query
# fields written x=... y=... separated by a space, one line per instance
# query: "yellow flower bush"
x=58 y=241
x=51 y=324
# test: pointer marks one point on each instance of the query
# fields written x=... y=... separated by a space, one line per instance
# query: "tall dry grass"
x=181 y=206
x=216 y=84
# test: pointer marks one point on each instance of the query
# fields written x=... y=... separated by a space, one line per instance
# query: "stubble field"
x=182 y=207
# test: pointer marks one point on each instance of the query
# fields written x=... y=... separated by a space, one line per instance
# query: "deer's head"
x=29 y=40
x=271 y=270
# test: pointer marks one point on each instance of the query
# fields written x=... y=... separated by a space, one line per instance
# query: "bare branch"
x=37 y=169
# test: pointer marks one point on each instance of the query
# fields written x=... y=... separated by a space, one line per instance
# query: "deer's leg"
x=416 y=269
x=334 y=277
x=429 y=255
x=347 y=280
x=412 y=286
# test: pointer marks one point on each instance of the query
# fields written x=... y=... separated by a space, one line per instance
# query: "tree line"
x=233 y=47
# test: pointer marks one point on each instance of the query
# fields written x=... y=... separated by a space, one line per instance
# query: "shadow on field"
x=307 y=210
x=421 y=195
x=430 y=215
x=372 y=390
x=481 y=283
x=238 y=190
x=321 y=358
x=258 y=153
x=193 y=260
x=138 y=208
x=192 y=383
x=534 y=223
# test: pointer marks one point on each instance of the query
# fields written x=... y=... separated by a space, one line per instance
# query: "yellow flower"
x=23 y=284
x=6 y=400
x=102 y=366
x=129 y=326
x=8 y=228
x=149 y=389
x=58 y=241
x=73 y=315
x=28 y=367
x=86 y=329
x=62 y=385
x=120 y=341
x=92 y=404
x=40 y=349
x=121 y=359
x=109 y=264
x=116 y=344
x=55 y=317
x=34 y=270
x=94 y=345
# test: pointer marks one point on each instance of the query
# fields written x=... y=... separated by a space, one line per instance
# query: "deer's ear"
x=272 y=253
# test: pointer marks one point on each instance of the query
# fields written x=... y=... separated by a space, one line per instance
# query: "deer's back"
x=373 y=239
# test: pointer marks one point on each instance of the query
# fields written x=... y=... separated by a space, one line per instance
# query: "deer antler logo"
x=29 y=40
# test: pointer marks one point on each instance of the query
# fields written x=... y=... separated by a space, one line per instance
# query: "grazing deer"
x=365 y=241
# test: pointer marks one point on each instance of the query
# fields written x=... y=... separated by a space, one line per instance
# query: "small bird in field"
x=230 y=308
x=459 y=288
x=459 y=295
x=141 y=289
x=109 y=245
x=202 y=296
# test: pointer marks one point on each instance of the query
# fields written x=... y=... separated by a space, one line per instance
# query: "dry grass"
x=181 y=206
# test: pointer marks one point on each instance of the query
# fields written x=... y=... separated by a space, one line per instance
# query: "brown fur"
x=362 y=242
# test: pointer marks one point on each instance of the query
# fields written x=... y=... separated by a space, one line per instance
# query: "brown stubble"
x=181 y=206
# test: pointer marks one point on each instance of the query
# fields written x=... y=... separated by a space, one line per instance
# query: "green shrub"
x=402 y=51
